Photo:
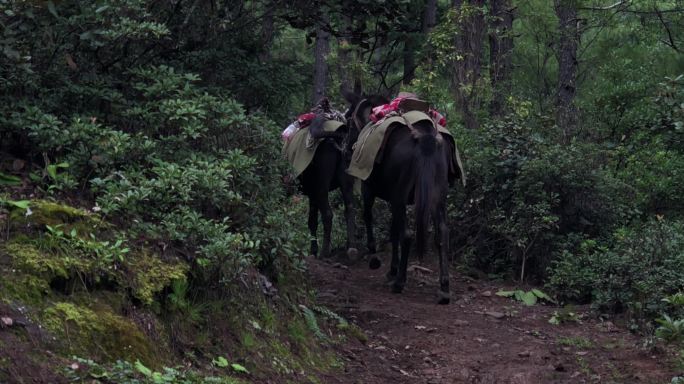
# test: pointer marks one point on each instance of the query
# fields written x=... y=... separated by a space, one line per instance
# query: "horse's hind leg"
x=395 y=238
x=400 y=243
x=368 y=201
x=347 y=189
x=313 y=226
x=442 y=240
x=327 y=216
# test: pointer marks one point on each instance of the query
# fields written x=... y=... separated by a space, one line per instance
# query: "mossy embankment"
x=77 y=286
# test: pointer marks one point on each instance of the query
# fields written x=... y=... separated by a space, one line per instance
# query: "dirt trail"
x=413 y=340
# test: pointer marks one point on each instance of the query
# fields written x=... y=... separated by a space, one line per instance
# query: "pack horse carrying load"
x=318 y=147
x=402 y=153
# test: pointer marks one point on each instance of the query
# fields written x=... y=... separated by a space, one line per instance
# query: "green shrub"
x=644 y=266
x=527 y=195
x=572 y=276
x=631 y=272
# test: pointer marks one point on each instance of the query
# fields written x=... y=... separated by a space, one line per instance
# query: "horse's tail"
x=316 y=130
x=427 y=166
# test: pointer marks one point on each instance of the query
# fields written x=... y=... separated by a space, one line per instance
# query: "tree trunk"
x=348 y=52
x=344 y=52
x=409 y=58
x=267 y=33
x=566 y=112
x=358 y=73
x=468 y=64
x=429 y=16
x=411 y=44
x=321 y=51
x=500 y=49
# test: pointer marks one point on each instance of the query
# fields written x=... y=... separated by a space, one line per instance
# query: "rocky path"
x=479 y=338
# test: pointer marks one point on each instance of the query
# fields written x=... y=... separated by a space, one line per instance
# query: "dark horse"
x=413 y=169
x=325 y=173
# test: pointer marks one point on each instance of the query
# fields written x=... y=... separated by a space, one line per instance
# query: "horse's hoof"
x=397 y=288
x=443 y=297
x=352 y=254
x=374 y=262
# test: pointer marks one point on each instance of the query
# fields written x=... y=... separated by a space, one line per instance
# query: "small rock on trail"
x=495 y=314
x=6 y=321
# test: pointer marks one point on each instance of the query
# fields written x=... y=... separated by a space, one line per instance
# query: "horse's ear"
x=362 y=113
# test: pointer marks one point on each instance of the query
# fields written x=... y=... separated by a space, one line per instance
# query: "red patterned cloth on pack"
x=380 y=112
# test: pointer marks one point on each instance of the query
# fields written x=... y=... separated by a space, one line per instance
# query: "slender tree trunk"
x=566 y=112
x=321 y=52
x=411 y=45
x=429 y=16
x=348 y=53
x=267 y=33
x=409 y=58
x=344 y=53
x=500 y=49
x=468 y=64
x=429 y=22
x=357 y=74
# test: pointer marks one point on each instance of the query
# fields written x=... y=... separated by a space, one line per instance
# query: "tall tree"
x=429 y=16
x=267 y=32
x=409 y=55
x=500 y=50
x=569 y=37
x=411 y=42
x=321 y=51
x=467 y=66
x=344 y=52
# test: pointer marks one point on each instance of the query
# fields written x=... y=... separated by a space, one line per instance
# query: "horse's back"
x=394 y=178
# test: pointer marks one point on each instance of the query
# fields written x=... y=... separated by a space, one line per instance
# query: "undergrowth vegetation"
x=597 y=223
x=148 y=203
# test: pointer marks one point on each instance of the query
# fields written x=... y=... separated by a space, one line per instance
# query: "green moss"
x=578 y=342
x=267 y=318
x=325 y=361
x=150 y=275
x=43 y=212
x=145 y=274
x=354 y=331
x=281 y=350
x=248 y=340
x=29 y=259
x=298 y=332
x=102 y=334
x=17 y=286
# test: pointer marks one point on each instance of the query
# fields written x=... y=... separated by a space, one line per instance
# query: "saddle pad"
x=372 y=137
x=298 y=154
